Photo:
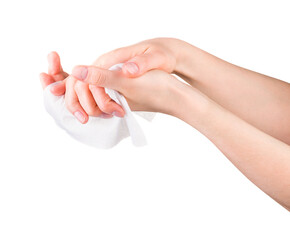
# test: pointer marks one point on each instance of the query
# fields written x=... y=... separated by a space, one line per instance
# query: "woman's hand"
x=154 y=91
x=158 y=53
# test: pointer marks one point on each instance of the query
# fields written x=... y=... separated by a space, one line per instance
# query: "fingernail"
x=80 y=73
x=80 y=116
x=105 y=115
x=131 y=67
x=117 y=114
x=54 y=86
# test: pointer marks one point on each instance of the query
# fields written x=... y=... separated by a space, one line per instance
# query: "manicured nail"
x=80 y=116
x=117 y=114
x=80 y=73
x=131 y=67
x=105 y=115
x=55 y=86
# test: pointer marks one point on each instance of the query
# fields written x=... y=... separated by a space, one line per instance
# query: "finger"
x=54 y=65
x=98 y=76
x=45 y=80
x=58 y=88
x=119 y=55
x=143 y=63
x=86 y=99
x=72 y=102
x=55 y=68
x=105 y=103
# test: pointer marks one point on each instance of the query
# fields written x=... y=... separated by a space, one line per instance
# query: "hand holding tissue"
x=98 y=132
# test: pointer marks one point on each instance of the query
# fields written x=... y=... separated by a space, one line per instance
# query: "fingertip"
x=52 y=54
x=45 y=79
x=118 y=114
x=58 y=89
x=118 y=111
x=41 y=75
x=81 y=116
x=122 y=111
x=86 y=118
x=80 y=72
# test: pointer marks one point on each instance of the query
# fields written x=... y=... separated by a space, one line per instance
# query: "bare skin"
x=258 y=99
x=80 y=100
x=245 y=114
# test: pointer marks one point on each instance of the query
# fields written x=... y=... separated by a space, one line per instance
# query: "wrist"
x=187 y=59
x=190 y=105
x=179 y=48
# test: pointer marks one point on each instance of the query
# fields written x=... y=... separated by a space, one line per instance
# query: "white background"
x=179 y=186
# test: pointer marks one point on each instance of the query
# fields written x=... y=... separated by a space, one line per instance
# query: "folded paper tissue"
x=98 y=132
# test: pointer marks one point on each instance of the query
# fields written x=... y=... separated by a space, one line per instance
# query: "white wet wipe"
x=98 y=132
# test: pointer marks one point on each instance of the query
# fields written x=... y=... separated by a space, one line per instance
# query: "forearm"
x=261 y=158
x=260 y=100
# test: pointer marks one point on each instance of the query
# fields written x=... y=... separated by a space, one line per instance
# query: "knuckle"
x=145 y=59
x=104 y=105
x=99 y=77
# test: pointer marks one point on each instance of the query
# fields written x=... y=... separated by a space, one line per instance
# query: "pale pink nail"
x=131 y=67
x=54 y=86
x=117 y=114
x=80 y=73
x=80 y=116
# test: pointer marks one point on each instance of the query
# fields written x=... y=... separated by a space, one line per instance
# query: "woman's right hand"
x=160 y=53
x=157 y=53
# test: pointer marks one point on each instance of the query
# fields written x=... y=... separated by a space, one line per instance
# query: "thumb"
x=97 y=76
x=143 y=63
